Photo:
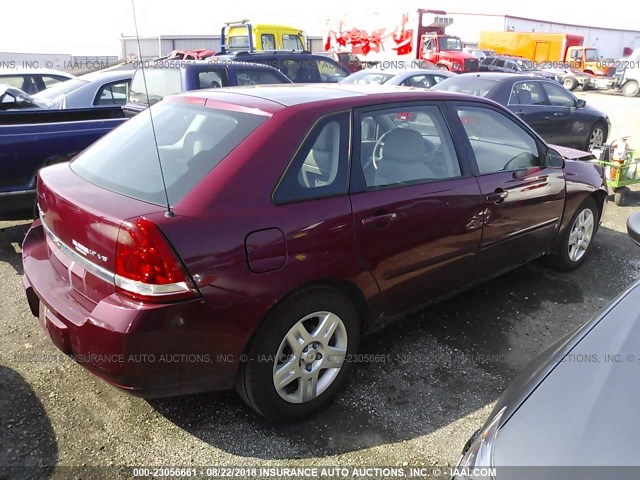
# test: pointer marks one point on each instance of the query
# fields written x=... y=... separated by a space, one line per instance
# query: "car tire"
x=630 y=89
x=572 y=250
x=570 y=83
x=621 y=196
x=597 y=136
x=298 y=319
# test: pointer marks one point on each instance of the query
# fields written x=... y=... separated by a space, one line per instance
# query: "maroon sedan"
x=286 y=222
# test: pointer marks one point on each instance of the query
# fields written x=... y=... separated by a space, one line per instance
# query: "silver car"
x=419 y=77
x=96 y=89
x=575 y=406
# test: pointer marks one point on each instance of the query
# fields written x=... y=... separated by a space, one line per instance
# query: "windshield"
x=191 y=140
x=591 y=55
x=367 y=77
x=450 y=43
x=471 y=85
x=61 y=88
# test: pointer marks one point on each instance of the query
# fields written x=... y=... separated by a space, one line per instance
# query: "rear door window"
x=160 y=83
x=321 y=166
x=213 y=79
x=257 y=76
x=191 y=140
x=301 y=70
x=112 y=94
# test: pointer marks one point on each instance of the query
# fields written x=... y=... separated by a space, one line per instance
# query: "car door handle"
x=497 y=197
x=520 y=114
x=558 y=114
x=380 y=221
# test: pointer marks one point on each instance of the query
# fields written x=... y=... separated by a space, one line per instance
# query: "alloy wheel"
x=581 y=235
x=310 y=357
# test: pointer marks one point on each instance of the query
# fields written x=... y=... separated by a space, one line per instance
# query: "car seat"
x=403 y=158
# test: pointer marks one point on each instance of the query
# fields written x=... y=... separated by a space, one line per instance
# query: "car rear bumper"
x=149 y=350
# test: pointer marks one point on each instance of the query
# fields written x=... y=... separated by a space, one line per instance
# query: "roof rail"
x=249 y=52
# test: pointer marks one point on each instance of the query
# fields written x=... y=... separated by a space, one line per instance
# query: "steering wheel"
x=524 y=158
x=377 y=149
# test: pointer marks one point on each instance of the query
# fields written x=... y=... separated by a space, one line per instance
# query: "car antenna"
x=168 y=213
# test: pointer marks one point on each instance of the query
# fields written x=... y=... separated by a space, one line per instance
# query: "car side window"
x=409 y=145
x=212 y=79
x=268 y=41
x=558 y=96
x=512 y=66
x=300 y=71
x=50 y=80
x=292 y=42
x=420 y=81
x=329 y=72
x=256 y=76
x=112 y=94
x=499 y=63
x=320 y=167
x=498 y=143
x=527 y=93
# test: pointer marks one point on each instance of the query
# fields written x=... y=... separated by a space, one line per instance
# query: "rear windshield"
x=192 y=140
x=161 y=82
x=480 y=87
x=61 y=88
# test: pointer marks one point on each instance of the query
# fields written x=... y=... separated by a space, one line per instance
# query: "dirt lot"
x=450 y=363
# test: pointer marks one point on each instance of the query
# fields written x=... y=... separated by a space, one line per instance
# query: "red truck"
x=417 y=36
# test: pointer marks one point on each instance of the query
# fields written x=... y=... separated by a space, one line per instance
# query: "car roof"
x=185 y=64
x=112 y=75
x=4 y=72
x=279 y=97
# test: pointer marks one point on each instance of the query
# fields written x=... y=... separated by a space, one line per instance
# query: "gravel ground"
x=448 y=366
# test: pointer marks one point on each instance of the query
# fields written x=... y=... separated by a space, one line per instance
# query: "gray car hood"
x=587 y=409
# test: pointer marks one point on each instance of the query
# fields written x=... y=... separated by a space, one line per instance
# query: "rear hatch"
x=96 y=210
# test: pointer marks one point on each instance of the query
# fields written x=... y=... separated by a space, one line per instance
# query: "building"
x=609 y=41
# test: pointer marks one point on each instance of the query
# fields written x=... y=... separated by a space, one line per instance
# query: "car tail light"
x=147 y=268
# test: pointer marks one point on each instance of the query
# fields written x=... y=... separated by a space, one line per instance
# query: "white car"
x=32 y=81
x=422 y=78
x=96 y=89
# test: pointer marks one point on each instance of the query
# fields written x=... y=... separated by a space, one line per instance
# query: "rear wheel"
x=570 y=83
x=621 y=196
x=576 y=242
x=630 y=89
x=298 y=359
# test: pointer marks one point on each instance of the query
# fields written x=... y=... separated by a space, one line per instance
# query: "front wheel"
x=299 y=357
x=597 y=136
x=576 y=242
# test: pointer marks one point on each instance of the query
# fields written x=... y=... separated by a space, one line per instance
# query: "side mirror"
x=581 y=103
x=554 y=159
x=633 y=227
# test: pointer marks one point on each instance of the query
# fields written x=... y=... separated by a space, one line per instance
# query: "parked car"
x=300 y=67
x=477 y=52
x=168 y=77
x=97 y=89
x=556 y=114
x=283 y=236
x=572 y=78
x=586 y=380
x=32 y=138
x=32 y=81
x=15 y=99
x=421 y=78
x=350 y=61
x=507 y=64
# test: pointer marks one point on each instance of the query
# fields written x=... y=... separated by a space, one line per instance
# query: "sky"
x=88 y=27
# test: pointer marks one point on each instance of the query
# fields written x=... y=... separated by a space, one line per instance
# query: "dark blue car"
x=552 y=111
x=169 y=77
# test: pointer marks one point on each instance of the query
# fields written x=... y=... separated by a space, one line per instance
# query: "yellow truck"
x=547 y=48
x=245 y=36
